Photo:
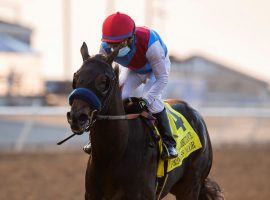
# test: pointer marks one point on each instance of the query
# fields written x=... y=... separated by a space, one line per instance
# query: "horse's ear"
x=116 y=71
x=84 y=51
x=110 y=58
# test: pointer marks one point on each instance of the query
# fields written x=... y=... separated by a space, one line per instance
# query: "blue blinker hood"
x=85 y=95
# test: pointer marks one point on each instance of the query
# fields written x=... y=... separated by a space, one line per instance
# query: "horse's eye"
x=102 y=83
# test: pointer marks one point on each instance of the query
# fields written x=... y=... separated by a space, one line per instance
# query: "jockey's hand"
x=143 y=104
x=137 y=105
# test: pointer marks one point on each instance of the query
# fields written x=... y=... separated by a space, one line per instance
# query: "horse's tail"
x=211 y=191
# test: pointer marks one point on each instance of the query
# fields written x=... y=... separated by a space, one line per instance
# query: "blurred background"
x=220 y=65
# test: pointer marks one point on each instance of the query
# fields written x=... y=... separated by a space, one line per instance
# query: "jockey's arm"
x=160 y=64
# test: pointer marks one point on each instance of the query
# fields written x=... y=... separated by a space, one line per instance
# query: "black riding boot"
x=163 y=126
x=87 y=148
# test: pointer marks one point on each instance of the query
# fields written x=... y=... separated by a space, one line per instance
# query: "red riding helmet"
x=117 y=27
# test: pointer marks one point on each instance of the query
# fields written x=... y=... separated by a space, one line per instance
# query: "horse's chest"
x=117 y=195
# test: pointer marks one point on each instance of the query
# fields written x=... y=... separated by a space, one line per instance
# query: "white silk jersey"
x=147 y=62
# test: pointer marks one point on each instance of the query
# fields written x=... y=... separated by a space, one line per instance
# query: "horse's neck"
x=116 y=105
x=109 y=137
x=119 y=145
x=112 y=138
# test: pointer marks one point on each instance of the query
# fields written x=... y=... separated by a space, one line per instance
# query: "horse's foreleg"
x=89 y=196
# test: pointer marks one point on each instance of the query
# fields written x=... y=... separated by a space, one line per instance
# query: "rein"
x=92 y=120
x=126 y=117
x=143 y=114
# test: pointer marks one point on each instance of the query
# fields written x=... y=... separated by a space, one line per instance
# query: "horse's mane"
x=100 y=57
x=97 y=57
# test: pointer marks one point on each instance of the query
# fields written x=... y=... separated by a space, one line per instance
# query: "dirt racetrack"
x=242 y=172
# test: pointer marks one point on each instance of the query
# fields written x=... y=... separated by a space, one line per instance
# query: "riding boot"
x=87 y=148
x=169 y=143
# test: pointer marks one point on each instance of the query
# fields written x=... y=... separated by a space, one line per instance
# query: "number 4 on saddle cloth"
x=187 y=141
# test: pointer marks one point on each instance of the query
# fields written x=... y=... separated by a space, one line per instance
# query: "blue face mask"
x=123 y=51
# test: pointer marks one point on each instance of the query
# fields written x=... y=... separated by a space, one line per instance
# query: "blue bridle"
x=86 y=95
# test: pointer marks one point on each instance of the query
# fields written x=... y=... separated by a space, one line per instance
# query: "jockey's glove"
x=143 y=104
x=138 y=105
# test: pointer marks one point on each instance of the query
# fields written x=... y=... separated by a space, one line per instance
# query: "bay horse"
x=123 y=165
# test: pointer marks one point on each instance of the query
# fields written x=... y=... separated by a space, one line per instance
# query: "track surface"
x=242 y=172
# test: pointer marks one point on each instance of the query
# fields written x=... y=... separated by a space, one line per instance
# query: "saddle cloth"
x=187 y=141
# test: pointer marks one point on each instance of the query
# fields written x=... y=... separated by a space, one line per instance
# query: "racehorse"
x=122 y=164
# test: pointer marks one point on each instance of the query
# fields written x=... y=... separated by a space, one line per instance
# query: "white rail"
x=256 y=113
x=207 y=112
x=235 y=112
x=33 y=110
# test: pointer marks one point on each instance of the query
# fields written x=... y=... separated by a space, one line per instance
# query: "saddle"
x=187 y=140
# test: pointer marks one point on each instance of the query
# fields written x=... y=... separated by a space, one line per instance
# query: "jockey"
x=145 y=56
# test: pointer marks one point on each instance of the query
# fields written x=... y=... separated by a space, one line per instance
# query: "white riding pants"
x=130 y=81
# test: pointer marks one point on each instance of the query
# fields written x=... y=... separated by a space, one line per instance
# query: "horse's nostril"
x=74 y=127
x=69 y=117
x=83 y=118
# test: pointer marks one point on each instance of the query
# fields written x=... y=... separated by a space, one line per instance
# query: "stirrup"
x=168 y=153
x=87 y=148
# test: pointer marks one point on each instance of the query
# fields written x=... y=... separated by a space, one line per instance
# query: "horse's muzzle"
x=78 y=123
